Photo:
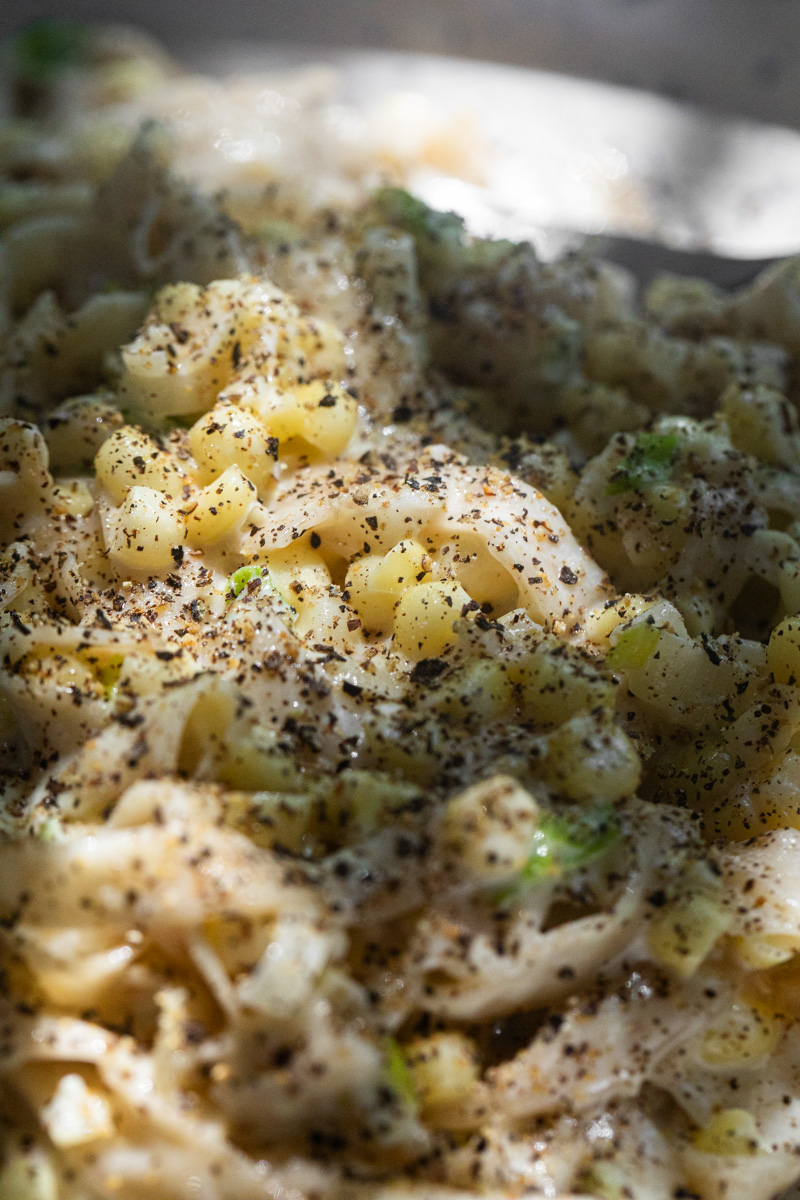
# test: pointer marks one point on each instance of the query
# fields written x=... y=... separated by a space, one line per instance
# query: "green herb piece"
x=279 y=233
x=444 y=248
x=398 y=1075
x=564 y=844
x=46 y=48
x=108 y=675
x=240 y=579
x=399 y=207
x=633 y=647
x=49 y=830
x=650 y=462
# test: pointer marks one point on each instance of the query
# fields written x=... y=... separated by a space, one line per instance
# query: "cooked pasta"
x=400 y=691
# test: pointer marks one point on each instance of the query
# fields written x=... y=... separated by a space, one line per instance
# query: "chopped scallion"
x=633 y=647
x=564 y=844
x=650 y=462
x=399 y=1076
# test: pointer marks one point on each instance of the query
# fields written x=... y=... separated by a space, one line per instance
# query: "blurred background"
x=735 y=56
x=675 y=123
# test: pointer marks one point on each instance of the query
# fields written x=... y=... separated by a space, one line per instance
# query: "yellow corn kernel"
x=24 y=458
x=320 y=344
x=187 y=350
x=444 y=1068
x=589 y=759
x=424 y=619
x=297 y=572
x=144 y=533
x=231 y=436
x=220 y=508
x=480 y=689
x=742 y=1037
x=129 y=458
x=732 y=1131
x=490 y=826
x=783 y=651
x=29 y=1176
x=72 y=498
x=329 y=415
x=375 y=583
x=683 y=934
x=76 y=430
x=757 y=952
x=762 y=422
x=275 y=407
x=557 y=683
x=404 y=565
x=601 y=622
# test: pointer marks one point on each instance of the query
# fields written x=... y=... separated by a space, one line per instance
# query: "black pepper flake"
x=316 y=541
x=351 y=689
x=19 y=623
x=427 y=670
x=567 y=575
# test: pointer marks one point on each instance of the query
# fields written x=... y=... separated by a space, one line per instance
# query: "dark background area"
x=738 y=56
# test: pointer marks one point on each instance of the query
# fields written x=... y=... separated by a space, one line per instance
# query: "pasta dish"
x=400 y=694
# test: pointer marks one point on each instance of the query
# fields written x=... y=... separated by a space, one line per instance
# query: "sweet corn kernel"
x=424 y=619
x=601 y=622
x=732 y=1131
x=481 y=689
x=759 y=953
x=28 y=1177
x=589 y=759
x=444 y=1068
x=490 y=826
x=683 y=934
x=741 y=1038
x=72 y=498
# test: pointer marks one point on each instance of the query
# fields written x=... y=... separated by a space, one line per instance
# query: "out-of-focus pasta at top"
x=400 y=685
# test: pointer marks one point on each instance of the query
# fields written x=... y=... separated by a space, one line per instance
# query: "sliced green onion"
x=562 y=845
x=633 y=647
x=398 y=1074
x=108 y=674
x=46 y=48
x=650 y=462
x=49 y=830
x=240 y=579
